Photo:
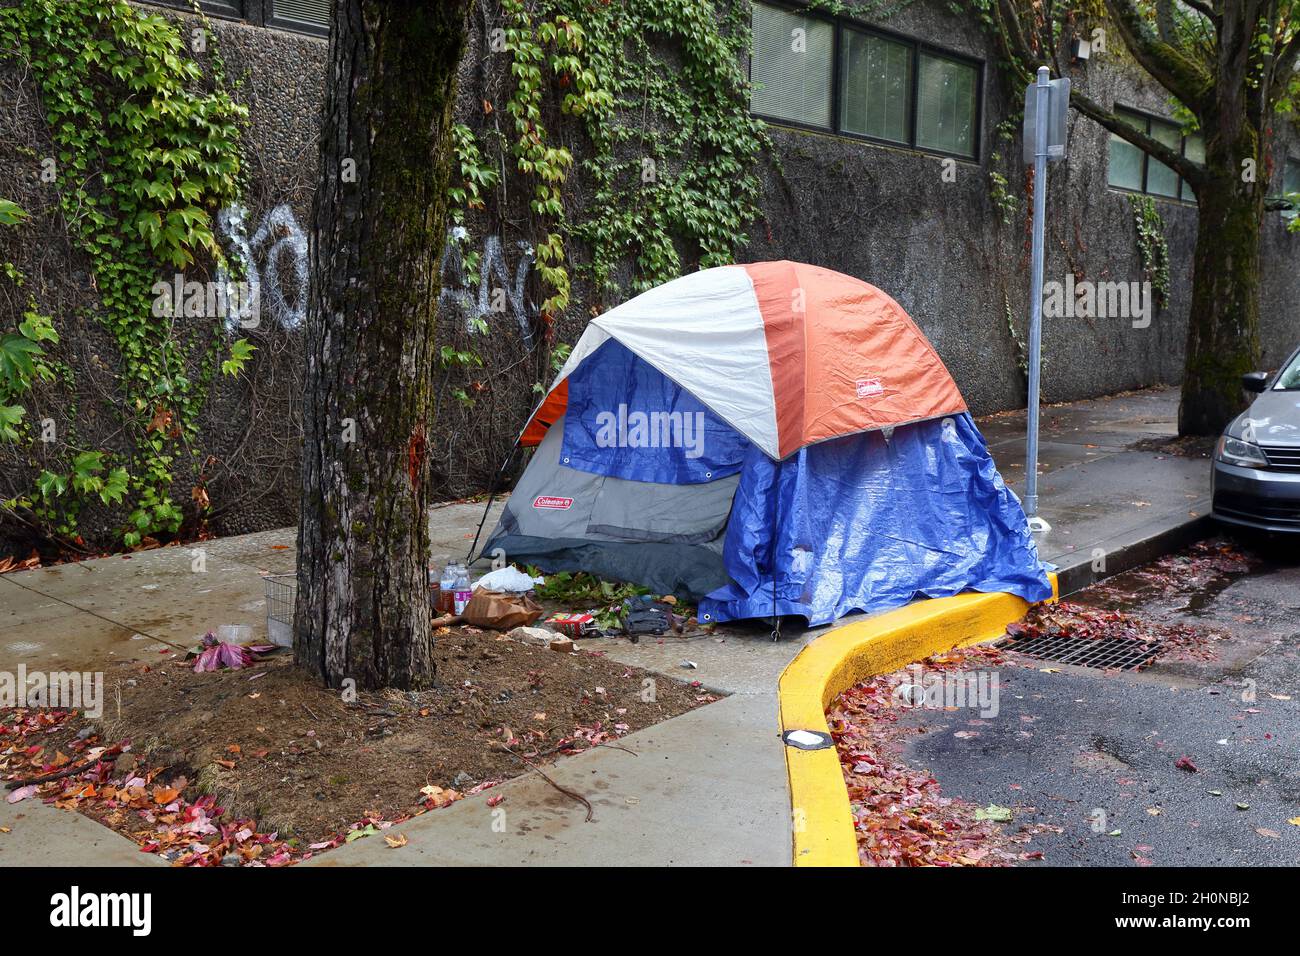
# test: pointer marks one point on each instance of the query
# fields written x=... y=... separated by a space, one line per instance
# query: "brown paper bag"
x=500 y=611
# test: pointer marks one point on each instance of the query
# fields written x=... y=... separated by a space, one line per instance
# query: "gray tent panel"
x=666 y=537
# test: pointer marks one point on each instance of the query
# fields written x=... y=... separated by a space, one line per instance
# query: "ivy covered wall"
x=602 y=148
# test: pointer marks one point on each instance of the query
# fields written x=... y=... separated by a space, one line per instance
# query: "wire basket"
x=281 y=593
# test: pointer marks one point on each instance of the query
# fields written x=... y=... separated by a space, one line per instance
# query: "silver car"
x=1257 y=461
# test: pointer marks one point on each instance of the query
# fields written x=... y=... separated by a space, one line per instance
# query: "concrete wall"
x=881 y=213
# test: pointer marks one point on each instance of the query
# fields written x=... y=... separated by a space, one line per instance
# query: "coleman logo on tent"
x=553 y=503
x=869 y=386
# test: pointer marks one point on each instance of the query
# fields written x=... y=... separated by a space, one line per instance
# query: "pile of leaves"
x=579 y=589
x=108 y=783
x=899 y=813
x=147 y=804
x=1204 y=564
x=1177 y=641
x=604 y=600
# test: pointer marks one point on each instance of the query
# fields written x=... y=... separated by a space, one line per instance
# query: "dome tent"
x=766 y=438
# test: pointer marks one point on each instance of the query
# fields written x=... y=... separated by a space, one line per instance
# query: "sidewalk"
x=706 y=788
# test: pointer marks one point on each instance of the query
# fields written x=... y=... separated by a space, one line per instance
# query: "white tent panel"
x=705 y=332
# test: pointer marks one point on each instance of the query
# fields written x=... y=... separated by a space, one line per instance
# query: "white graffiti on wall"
x=279 y=287
x=497 y=291
x=278 y=236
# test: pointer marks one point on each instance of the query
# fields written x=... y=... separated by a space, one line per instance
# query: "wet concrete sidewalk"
x=704 y=788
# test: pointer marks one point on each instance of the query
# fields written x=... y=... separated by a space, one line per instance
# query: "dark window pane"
x=229 y=8
x=945 y=116
x=1291 y=177
x=876 y=87
x=309 y=14
x=1161 y=180
x=1125 y=164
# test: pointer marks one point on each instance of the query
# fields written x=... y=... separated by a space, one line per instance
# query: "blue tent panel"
x=863 y=523
x=626 y=419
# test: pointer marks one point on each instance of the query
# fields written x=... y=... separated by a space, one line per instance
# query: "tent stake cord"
x=492 y=493
x=496 y=479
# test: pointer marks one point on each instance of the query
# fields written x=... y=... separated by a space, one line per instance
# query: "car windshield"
x=1290 y=377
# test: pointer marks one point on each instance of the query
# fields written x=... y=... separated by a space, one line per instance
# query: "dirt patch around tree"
x=1187 y=446
x=266 y=755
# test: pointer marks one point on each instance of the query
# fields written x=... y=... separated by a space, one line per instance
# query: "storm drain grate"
x=1102 y=653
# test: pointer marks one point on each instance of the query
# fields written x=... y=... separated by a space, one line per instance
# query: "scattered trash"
x=689 y=665
x=234 y=633
x=216 y=654
x=574 y=625
x=563 y=644
x=643 y=615
x=22 y=793
x=532 y=635
x=446 y=596
x=509 y=579
x=461 y=590
x=498 y=610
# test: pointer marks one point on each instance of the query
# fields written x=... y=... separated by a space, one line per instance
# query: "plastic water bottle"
x=462 y=589
x=445 y=588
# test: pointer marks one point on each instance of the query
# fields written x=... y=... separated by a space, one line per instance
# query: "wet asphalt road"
x=1092 y=752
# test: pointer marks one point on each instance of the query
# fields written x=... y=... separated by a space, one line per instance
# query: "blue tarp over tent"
x=866 y=523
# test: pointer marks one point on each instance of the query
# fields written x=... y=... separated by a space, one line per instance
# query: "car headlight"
x=1234 y=451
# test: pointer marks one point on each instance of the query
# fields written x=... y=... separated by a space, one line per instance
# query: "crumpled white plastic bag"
x=509 y=579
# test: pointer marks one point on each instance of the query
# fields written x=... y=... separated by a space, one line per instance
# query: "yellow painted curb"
x=819 y=799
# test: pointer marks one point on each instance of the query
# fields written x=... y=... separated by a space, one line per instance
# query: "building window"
x=791 y=71
x=1290 y=187
x=811 y=69
x=309 y=16
x=1133 y=170
x=1291 y=176
x=876 y=87
x=945 y=110
x=301 y=16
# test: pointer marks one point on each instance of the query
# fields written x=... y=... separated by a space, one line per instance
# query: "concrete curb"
x=1128 y=554
x=823 y=832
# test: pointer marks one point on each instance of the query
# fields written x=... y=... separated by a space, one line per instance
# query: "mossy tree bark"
x=362 y=610
x=1223 y=325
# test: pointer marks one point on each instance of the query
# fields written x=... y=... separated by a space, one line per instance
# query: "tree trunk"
x=1223 y=327
x=362 y=610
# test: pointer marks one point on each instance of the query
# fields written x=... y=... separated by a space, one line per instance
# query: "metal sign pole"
x=1042 y=92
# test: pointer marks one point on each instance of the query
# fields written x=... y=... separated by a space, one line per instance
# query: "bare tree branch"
x=1179 y=163
x=1204 y=9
